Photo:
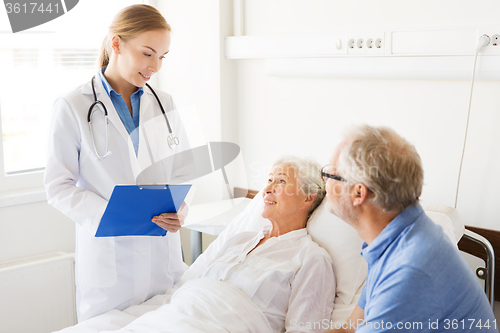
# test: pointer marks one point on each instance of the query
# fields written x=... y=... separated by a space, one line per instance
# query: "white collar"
x=299 y=233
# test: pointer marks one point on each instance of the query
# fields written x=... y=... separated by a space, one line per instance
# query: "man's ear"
x=359 y=194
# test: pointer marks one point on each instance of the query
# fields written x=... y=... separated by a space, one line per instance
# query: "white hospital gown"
x=290 y=277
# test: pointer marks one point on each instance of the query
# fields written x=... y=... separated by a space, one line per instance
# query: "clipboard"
x=131 y=208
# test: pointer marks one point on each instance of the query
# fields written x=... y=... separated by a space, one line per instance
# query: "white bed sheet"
x=223 y=309
x=115 y=320
x=220 y=308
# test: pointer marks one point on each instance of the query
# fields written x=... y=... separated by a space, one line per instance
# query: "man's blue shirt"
x=417 y=281
x=130 y=123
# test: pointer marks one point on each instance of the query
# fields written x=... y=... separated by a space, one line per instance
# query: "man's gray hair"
x=308 y=173
x=386 y=163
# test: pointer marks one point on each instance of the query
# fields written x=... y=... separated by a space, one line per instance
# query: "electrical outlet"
x=369 y=43
x=366 y=43
x=495 y=40
x=493 y=46
x=350 y=43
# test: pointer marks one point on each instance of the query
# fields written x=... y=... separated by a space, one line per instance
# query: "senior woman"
x=280 y=268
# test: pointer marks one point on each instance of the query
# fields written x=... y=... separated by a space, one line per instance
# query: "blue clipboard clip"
x=131 y=208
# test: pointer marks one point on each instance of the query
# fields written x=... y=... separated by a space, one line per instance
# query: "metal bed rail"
x=485 y=273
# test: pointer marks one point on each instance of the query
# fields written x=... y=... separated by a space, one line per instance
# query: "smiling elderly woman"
x=280 y=268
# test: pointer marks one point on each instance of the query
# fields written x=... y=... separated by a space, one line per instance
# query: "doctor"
x=85 y=164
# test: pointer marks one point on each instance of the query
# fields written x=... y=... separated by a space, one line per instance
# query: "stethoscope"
x=171 y=139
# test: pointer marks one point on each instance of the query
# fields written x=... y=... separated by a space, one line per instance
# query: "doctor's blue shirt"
x=130 y=123
x=418 y=282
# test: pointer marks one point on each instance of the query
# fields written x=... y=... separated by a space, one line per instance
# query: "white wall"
x=310 y=16
x=306 y=115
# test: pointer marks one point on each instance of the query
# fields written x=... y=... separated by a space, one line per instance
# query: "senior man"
x=416 y=280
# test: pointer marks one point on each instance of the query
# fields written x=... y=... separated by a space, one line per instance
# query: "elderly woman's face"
x=282 y=195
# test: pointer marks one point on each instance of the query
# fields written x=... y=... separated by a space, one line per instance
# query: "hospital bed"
x=333 y=234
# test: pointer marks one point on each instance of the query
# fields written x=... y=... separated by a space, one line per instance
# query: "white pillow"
x=344 y=246
x=448 y=218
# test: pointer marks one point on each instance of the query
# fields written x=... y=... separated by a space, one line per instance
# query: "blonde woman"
x=85 y=163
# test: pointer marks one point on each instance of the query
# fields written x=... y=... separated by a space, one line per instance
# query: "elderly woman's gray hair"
x=309 y=176
x=386 y=163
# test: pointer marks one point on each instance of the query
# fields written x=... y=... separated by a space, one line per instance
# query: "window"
x=37 y=66
x=33 y=81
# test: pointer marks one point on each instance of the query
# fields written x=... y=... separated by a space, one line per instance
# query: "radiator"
x=37 y=294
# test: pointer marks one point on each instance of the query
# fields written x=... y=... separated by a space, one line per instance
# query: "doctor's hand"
x=171 y=222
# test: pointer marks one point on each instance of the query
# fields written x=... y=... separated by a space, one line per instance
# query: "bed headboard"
x=244 y=193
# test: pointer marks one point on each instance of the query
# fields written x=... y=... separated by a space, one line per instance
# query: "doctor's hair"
x=128 y=23
x=308 y=173
x=384 y=162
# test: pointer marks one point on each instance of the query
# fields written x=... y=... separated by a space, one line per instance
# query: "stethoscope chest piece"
x=172 y=140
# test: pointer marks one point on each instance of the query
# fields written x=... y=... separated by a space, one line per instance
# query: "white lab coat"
x=113 y=272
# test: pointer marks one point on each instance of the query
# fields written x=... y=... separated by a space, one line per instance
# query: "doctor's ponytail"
x=128 y=23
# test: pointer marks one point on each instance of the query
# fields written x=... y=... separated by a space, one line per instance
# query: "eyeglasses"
x=325 y=175
x=329 y=175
